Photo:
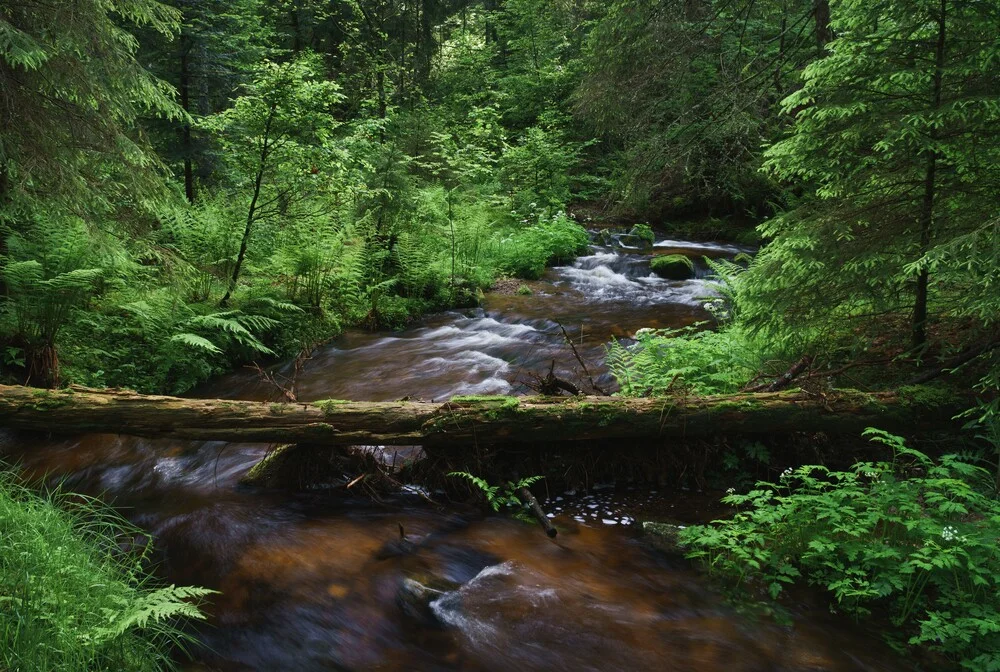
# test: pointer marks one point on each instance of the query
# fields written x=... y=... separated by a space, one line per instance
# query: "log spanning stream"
x=311 y=582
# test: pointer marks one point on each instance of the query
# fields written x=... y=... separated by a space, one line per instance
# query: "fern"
x=488 y=491
x=269 y=303
x=688 y=359
x=196 y=341
x=159 y=606
x=234 y=326
x=74 y=590
x=498 y=497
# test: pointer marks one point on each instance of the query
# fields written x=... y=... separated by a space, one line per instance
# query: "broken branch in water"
x=576 y=354
x=536 y=509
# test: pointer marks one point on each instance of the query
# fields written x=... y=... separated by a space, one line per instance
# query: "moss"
x=464 y=398
x=663 y=536
x=265 y=472
x=644 y=233
x=329 y=406
x=45 y=400
x=278 y=409
x=926 y=397
x=494 y=407
x=672 y=267
x=736 y=406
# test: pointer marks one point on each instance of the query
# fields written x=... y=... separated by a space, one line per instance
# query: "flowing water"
x=313 y=582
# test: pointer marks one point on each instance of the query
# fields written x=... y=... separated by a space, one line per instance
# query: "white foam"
x=720 y=248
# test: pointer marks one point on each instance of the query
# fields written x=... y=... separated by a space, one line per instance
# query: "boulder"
x=672 y=267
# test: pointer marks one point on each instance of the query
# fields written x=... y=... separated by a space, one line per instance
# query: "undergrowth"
x=75 y=594
x=691 y=359
x=912 y=539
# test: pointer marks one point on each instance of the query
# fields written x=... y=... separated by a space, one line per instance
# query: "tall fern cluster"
x=74 y=590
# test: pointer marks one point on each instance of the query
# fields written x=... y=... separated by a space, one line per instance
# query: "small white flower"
x=949 y=533
x=786 y=473
x=730 y=491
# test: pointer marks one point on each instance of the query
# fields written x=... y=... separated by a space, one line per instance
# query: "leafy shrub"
x=913 y=538
x=204 y=239
x=70 y=598
x=527 y=252
x=687 y=359
x=535 y=171
x=644 y=233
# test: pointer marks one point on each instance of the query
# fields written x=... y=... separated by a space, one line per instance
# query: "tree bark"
x=185 y=93
x=821 y=13
x=919 y=322
x=468 y=421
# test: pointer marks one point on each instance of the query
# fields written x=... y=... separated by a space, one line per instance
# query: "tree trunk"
x=425 y=40
x=465 y=422
x=185 y=93
x=252 y=211
x=919 y=323
x=821 y=14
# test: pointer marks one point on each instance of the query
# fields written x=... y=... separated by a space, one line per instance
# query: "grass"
x=75 y=593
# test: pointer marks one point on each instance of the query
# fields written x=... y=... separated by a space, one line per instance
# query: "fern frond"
x=195 y=341
x=158 y=606
x=269 y=302
x=527 y=482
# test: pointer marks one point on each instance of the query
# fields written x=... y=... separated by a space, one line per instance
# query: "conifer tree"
x=72 y=91
x=897 y=141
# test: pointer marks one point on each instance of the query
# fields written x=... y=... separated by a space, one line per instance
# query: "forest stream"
x=309 y=582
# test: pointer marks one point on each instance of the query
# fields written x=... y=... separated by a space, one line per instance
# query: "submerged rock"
x=663 y=536
x=414 y=599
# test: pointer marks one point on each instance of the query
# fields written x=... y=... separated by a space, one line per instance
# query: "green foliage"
x=912 y=536
x=276 y=140
x=644 y=233
x=74 y=588
x=503 y=496
x=158 y=343
x=682 y=97
x=351 y=205
x=73 y=92
x=204 y=242
x=688 y=360
x=535 y=171
x=526 y=252
x=894 y=171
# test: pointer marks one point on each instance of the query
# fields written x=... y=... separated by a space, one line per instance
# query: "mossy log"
x=464 y=421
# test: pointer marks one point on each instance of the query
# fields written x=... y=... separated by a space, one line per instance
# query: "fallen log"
x=464 y=421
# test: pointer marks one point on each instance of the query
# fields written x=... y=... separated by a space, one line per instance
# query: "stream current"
x=310 y=582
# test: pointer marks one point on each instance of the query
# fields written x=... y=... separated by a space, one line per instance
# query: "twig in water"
x=576 y=354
